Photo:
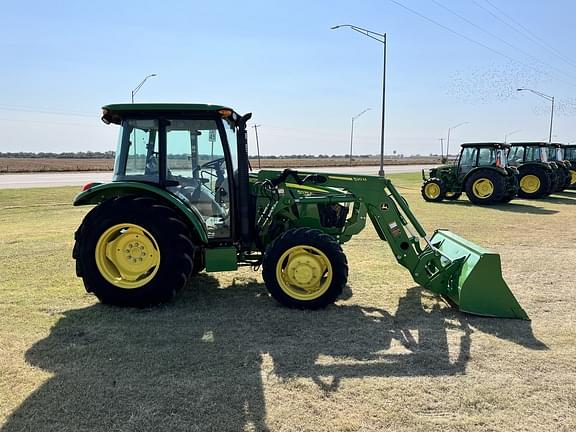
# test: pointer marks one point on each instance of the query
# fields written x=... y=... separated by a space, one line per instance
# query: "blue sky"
x=62 y=60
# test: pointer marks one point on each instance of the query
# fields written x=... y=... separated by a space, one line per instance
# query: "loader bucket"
x=478 y=288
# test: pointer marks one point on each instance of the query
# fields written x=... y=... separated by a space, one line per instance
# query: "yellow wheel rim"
x=127 y=256
x=483 y=188
x=530 y=183
x=572 y=177
x=304 y=272
x=432 y=190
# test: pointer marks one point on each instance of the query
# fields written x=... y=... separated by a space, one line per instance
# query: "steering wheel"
x=216 y=165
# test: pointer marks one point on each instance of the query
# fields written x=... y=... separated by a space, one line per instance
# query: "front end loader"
x=183 y=200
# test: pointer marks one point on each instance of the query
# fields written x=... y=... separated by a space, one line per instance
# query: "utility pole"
x=257 y=144
x=441 y=148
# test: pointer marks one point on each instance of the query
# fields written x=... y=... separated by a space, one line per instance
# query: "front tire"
x=133 y=251
x=305 y=269
x=433 y=190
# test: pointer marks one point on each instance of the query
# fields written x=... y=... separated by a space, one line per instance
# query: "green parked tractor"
x=183 y=199
x=556 y=156
x=570 y=156
x=481 y=171
x=537 y=176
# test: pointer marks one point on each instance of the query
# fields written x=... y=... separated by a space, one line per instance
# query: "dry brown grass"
x=26 y=165
x=225 y=357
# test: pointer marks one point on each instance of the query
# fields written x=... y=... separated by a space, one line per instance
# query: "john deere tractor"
x=183 y=200
x=537 y=176
x=570 y=156
x=481 y=171
x=556 y=156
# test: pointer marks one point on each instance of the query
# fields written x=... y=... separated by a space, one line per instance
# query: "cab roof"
x=114 y=113
x=529 y=144
x=486 y=144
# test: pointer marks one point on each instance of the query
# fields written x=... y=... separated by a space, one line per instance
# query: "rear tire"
x=433 y=190
x=133 y=251
x=534 y=182
x=305 y=269
x=485 y=187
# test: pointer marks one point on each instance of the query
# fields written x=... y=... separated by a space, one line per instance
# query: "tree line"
x=66 y=155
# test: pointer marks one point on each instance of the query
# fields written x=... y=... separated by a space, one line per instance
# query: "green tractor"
x=570 y=156
x=556 y=156
x=537 y=176
x=481 y=171
x=183 y=200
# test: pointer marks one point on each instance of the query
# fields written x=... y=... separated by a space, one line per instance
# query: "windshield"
x=536 y=154
x=554 y=154
x=570 y=153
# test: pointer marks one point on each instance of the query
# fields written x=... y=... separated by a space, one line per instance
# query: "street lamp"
x=352 y=132
x=510 y=133
x=256 y=126
x=139 y=86
x=549 y=99
x=380 y=37
x=448 y=140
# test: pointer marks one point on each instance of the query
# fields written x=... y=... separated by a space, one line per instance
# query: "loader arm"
x=460 y=271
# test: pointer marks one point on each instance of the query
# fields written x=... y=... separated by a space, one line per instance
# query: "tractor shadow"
x=562 y=198
x=512 y=207
x=197 y=364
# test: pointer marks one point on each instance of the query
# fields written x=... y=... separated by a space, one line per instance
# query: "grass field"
x=225 y=357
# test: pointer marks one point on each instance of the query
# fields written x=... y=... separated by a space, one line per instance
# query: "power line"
x=532 y=36
x=463 y=18
x=469 y=39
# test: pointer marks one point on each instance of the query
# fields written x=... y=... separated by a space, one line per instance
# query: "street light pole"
x=448 y=140
x=257 y=144
x=441 y=149
x=352 y=132
x=549 y=99
x=139 y=86
x=380 y=37
x=510 y=133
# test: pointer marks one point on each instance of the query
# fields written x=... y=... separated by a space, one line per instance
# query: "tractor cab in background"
x=570 y=156
x=556 y=155
x=538 y=176
x=481 y=170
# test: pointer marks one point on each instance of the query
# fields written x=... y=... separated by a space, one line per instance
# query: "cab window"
x=468 y=157
x=197 y=171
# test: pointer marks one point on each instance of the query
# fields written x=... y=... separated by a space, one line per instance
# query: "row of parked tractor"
x=494 y=173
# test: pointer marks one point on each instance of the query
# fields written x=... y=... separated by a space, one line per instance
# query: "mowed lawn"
x=225 y=357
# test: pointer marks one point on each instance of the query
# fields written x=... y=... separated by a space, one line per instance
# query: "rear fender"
x=101 y=192
x=500 y=171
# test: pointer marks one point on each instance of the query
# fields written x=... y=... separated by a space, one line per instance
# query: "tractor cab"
x=555 y=152
x=570 y=157
x=521 y=153
x=189 y=150
x=570 y=153
x=473 y=155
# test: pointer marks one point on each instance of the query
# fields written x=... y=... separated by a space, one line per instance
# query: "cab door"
x=467 y=161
